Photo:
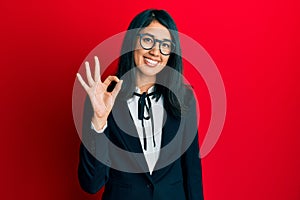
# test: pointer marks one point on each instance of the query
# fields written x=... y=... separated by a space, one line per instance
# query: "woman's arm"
x=191 y=162
x=92 y=173
x=192 y=172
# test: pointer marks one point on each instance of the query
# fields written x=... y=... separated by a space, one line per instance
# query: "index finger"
x=97 y=69
x=110 y=79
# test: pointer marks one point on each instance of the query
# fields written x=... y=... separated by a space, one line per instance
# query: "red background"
x=254 y=44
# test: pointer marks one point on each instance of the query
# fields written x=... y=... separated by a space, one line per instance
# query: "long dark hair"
x=173 y=103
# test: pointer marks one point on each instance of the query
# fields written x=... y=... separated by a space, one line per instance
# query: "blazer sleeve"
x=191 y=162
x=93 y=170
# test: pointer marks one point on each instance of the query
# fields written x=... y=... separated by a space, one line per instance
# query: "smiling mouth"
x=151 y=63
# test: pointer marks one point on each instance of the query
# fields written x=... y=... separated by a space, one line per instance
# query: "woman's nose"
x=155 y=50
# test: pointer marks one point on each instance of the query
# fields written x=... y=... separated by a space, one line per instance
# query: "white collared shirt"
x=151 y=153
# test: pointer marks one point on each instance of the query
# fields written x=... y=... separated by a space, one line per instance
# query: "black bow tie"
x=141 y=112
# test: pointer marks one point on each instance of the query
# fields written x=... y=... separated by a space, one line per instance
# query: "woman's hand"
x=102 y=101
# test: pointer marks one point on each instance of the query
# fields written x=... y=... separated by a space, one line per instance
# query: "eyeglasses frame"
x=155 y=41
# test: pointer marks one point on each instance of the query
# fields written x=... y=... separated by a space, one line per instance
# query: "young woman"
x=140 y=136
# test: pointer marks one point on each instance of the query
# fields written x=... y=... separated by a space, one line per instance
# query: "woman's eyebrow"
x=149 y=34
x=164 y=39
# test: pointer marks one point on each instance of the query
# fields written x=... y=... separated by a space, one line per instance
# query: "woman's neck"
x=144 y=83
x=145 y=88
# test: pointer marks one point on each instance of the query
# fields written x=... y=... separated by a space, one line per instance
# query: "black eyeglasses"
x=147 y=42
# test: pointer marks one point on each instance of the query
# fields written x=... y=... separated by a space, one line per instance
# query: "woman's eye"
x=148 y=40
x=166 y=45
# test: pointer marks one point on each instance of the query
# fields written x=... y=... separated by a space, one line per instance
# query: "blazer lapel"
x=169 y=129
x=128 y=132
x=169 y=132
x=128 y=135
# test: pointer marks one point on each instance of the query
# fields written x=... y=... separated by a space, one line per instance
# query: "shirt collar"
x=137 y=90
x=151 y=89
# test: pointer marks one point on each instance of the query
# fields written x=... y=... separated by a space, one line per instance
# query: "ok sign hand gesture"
x=102 y=100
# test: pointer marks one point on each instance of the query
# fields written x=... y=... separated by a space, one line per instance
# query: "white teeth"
x=151 y=62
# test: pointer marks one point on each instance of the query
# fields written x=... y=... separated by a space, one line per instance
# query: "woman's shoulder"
x=189 y=96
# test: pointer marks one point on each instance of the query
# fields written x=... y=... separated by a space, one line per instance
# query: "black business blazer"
x=181 y=179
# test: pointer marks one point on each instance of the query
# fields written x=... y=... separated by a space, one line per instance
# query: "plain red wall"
x=255 y=45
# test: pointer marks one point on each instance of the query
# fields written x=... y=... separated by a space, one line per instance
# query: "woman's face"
x=152 y=61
